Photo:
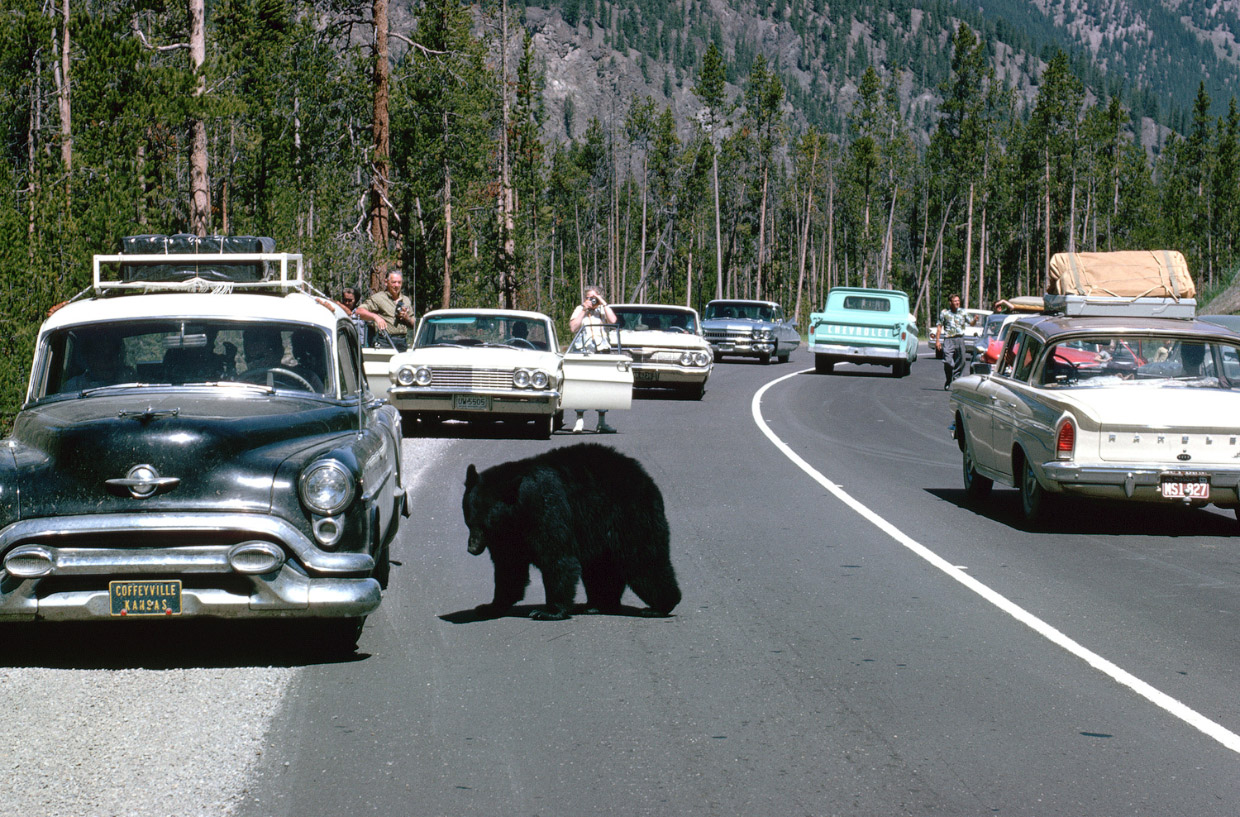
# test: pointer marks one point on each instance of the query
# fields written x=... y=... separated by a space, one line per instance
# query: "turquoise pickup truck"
x=870 y=326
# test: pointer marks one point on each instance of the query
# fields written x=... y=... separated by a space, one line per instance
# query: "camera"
x=593 y=301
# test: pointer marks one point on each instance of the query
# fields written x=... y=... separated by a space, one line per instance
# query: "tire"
x=693 y=391
x=976 y=486
x=718 y=357
x=764 y=358
x=334 y=638
x=823 y=364
x=544 y=427
x=784 y=357
x=1035 y=502
x=900 y=368
x=383 y=566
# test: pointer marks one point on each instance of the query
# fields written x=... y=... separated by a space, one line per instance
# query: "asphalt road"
x=854 y=639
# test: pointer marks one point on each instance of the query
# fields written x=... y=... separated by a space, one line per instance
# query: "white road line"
x=1160 y=699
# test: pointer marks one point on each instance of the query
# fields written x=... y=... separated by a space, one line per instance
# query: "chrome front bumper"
x=647 y=374
x=415 y=398
x=50 y=571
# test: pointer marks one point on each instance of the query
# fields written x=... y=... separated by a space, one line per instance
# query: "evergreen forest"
x=428 y=147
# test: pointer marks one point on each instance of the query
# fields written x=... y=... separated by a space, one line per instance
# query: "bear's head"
x=490 y=508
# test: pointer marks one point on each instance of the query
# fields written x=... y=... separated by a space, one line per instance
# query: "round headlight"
x=521 y=379
x=326 y=488
x=404 y=376
x=539 y=380
x=686 y=358
x=702 y=358
x=422 y=376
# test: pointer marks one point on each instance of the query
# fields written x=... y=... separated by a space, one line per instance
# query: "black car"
x=198 y=440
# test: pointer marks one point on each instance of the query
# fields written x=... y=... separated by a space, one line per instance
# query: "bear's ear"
x=471 y=476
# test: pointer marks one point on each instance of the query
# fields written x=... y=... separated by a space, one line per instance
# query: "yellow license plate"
x=160 y=597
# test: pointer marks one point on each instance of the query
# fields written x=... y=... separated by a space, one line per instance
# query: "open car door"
x=598 y=373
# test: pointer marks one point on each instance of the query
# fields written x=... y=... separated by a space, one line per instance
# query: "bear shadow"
x=473 y=615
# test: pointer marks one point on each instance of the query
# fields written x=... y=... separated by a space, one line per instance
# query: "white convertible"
x=1144 y=409
x=493 y=364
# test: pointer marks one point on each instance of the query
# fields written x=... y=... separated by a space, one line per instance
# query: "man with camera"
x=388 y=311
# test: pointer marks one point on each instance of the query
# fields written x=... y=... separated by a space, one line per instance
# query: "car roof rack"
x=277 y=273
x=1106 y=306
x=190 y=263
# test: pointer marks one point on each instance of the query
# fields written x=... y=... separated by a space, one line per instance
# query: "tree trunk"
x=968 y=247
x=714 y=167
x=508 y=287
x=761 y=234
x=381 y=151
x=199 y=182
x=63 y=80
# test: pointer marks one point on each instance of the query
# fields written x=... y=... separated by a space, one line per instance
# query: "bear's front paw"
x=541 y=614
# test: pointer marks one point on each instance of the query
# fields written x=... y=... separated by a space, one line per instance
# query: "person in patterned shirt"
x=950 y=340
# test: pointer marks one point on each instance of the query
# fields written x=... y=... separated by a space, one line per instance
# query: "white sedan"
x=1144 y=409
x=493 y=364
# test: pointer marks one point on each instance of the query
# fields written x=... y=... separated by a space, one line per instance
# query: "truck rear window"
x=868 y=304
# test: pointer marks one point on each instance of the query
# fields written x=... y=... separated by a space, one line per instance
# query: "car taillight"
x=1066 y=441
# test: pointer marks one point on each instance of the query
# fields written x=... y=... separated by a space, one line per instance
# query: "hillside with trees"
x=911 y=145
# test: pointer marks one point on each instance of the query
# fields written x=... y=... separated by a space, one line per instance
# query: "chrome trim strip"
x=47 y=530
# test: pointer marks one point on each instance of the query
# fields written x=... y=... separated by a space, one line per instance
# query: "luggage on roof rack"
x=1103 y=306
x=1128 y=274
x=182 y=244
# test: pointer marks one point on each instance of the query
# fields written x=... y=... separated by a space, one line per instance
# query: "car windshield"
x=519 y=332
x=643 y=318
x=739 y=309
x=1106 y=360
x=86 y=359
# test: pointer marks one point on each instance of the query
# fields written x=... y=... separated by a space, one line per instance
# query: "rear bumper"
x=1140 y=482
x=858 y=353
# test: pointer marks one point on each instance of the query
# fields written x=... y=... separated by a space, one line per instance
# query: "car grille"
x=465 y=378
x=728 y=334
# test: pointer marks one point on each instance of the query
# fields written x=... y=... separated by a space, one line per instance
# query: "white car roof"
x=294 y=307
x=509 y=313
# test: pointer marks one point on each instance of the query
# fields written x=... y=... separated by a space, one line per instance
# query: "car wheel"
x=718 y=357
x=1034 y=501
x=544 y=427
x=334 y=637
x=823 y=364
x=784 y=357
x=764 y=358
x=694 y=391
x=976 y=486
x=383 y=566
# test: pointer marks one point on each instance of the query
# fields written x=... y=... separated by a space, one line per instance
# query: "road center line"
x=1160 y=699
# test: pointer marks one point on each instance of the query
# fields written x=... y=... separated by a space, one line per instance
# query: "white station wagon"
x=1144 y=409
x=503 y=364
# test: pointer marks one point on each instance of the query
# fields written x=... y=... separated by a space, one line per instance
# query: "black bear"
x=583 y=512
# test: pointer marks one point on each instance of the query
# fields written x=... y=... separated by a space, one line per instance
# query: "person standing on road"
x=593 y=312
x=950 y=340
